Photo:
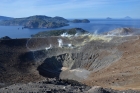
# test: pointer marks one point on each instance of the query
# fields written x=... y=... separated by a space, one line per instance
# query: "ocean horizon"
x=96 y=26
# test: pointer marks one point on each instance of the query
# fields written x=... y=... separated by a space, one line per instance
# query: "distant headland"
x=37 y=21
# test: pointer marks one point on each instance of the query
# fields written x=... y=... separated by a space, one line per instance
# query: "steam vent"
x=96 y=64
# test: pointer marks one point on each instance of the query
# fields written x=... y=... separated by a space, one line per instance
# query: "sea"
x=96 y=26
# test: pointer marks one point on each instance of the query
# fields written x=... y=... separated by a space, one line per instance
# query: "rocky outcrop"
x=80 y=21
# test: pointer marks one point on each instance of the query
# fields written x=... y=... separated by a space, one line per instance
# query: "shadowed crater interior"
x=51 y=67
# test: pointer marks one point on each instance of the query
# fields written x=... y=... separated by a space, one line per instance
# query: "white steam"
x=68 y=35
x=60 y=43
x=48 y=47
x=96 y=32
x=76 y=34
x=65 y=35
x=69 y=45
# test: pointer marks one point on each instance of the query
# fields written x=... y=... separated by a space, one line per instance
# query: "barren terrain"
x=105 y=61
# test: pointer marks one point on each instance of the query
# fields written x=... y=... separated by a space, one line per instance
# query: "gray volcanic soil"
x=31 y=60
x=58 y=86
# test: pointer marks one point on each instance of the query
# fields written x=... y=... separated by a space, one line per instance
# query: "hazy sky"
x=71 y=8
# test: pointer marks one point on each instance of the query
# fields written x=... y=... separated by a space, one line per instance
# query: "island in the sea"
x=127 y=17
x=37 y=21
x=80 y=21
x=72 y=31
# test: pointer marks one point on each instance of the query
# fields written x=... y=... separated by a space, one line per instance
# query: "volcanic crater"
x=105 y=61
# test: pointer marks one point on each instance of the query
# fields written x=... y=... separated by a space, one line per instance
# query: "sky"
x=71 y=8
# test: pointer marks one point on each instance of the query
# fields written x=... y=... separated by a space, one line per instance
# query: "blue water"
x=96 y=25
